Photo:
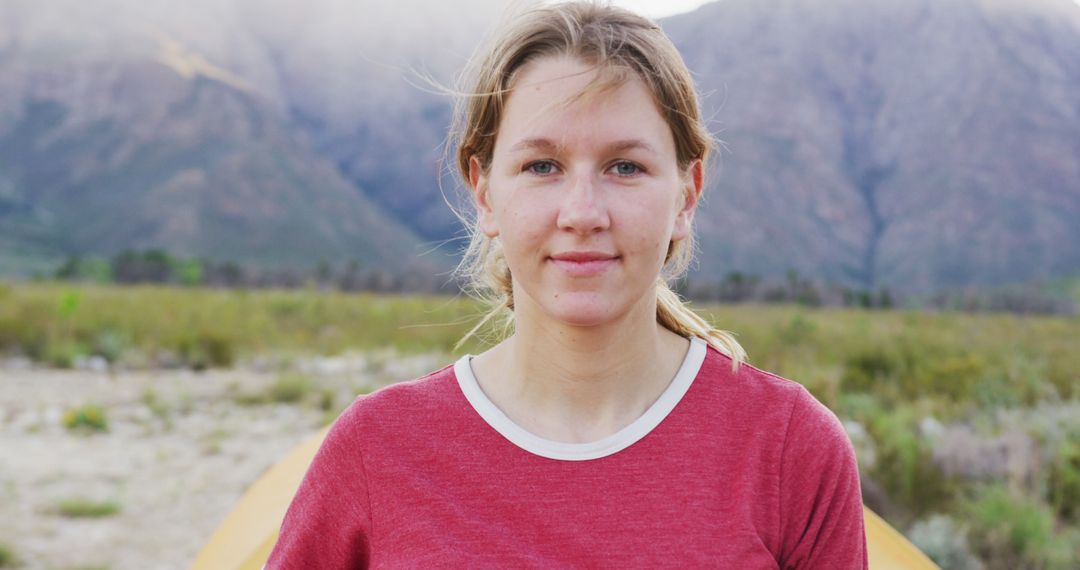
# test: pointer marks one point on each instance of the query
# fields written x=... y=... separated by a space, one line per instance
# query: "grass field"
x=966 y=426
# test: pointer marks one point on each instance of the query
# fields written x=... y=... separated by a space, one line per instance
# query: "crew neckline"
x=612 y=444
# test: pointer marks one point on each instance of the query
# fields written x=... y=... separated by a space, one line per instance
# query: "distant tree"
x=158 y=265
x=69 y=270
x=232 y=274
x=97 y=269
x=287 y=278
x=802 y=291
x=78 y=268
x=150 y=266
x=189 y=272
x=738 y=287
x=884 y=299
x=351 y=279
x=775 y=294
x=323 y=273
x=380 y=281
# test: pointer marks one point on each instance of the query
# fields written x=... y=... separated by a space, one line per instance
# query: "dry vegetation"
x=965 y=425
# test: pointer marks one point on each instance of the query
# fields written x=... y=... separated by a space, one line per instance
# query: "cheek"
x=651 y=237
x=523 y=226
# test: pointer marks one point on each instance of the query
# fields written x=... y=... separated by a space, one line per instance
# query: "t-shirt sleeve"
x=820 y=499
x=328 y=524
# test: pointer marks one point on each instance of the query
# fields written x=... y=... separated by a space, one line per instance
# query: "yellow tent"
x=244 y=539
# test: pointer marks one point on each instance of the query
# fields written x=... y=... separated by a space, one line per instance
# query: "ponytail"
x=673 y=314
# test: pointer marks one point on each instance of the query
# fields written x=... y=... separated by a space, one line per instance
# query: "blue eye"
x=627 y=169
x=541 y=167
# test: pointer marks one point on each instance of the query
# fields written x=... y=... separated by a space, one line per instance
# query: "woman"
x=613 y=427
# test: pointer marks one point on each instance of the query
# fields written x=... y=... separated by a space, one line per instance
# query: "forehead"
x=566 y=100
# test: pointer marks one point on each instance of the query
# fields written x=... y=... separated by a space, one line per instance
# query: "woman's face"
x=584 y=196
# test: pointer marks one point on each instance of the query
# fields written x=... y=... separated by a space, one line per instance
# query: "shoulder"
x=759 y=395
x=819 y=508
x=424 y=391
x=771 y=408
x=402 y=403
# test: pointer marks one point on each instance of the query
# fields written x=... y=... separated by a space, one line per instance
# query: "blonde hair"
x=615 y=40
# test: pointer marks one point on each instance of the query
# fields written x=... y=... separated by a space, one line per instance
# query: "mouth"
x=584 y=263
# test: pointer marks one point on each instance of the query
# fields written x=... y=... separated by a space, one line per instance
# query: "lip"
x=584 y=263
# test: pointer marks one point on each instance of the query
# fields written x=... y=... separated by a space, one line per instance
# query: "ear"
x=485 y=215
x=692 y=181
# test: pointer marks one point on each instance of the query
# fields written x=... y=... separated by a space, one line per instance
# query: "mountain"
x=119 y=135
x=371 y=83
x=916 y=145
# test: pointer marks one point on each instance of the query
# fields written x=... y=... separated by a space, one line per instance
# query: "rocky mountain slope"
x=131 y=135
x=915 y=144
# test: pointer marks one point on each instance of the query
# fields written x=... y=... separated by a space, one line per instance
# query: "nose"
x=583 y=210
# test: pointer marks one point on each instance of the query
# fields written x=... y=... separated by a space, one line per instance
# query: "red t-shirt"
x=738 y=470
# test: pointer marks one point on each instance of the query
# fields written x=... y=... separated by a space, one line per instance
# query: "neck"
x=571 y=383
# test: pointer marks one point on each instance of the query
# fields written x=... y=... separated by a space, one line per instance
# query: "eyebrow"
x=546 y=145
x=534 y=144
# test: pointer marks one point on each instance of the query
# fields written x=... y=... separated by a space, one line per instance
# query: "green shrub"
x=798 y=330
x=909 y=369
x=80 y=507
x=211 y=442
x=953 y=376
x=110 y=344
x=869 y=371
x=206 y=349
x=1064 y=481
x=327 y=399
x=62 y=353
x=68 y=303
x=904 y=466
x=22 y=333
x=189 y=272
x=7 y=557
x=1063 y=371
x=945 y=542
x=858 y=405
x=157 y=407
x=1010 y=532
x=89 y=417
x=290 y=388
x=250 y=399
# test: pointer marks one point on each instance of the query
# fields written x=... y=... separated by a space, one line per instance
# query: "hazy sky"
x=660 y=8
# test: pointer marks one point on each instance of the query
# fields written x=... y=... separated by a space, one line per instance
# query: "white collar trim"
x=614 y=443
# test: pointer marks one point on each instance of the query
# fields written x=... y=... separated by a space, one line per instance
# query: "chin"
x=583 y=309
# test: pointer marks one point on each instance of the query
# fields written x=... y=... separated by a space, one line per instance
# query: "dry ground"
x=179 y=452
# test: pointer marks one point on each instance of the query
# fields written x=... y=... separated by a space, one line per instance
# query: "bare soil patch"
x=180 y=450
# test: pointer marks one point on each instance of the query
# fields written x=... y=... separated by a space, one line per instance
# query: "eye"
x=541 y=167
x=626 y=168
